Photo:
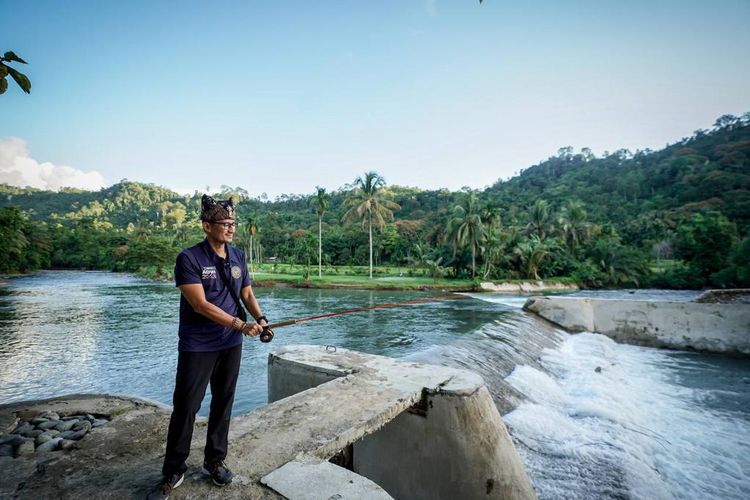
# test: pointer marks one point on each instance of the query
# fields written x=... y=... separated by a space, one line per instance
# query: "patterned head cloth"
x=213 y=210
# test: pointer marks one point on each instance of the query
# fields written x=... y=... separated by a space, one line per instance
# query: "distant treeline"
x=678 y=217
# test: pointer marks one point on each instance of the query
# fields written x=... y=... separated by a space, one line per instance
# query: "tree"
x=491 y=215
x=466 y=228
x=321 y=201
x=5 y=70
x=368 y=203
x=706 y=241
x=304 y=249
x=617 y=263
x=531 y=253
x=252 y=229
x=573 y=226
x=539 y=219
x=13 y=242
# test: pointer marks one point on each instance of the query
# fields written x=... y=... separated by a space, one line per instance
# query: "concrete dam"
x=398 y=429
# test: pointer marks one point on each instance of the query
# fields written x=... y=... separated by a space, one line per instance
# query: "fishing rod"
x=267 y=333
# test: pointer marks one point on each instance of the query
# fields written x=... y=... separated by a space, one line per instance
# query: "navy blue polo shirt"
x=200 y=264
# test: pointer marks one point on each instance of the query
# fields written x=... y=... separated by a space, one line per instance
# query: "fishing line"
x=267 y=334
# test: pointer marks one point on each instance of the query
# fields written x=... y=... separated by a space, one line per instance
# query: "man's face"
x=222 y=230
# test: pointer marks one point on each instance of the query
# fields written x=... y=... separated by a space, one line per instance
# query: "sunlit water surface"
x=647 y=424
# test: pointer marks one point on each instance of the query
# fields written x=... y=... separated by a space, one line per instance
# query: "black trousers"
x=194 y=371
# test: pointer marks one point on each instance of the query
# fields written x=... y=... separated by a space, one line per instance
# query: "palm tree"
x=252 y=229
x=539 y=219
x=531 y=252
x=367 y=202
x=573 y=226
x=466 y=228
x=321 y=201
x=491 y=215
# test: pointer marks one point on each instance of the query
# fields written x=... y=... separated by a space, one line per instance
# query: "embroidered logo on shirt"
x=209 y=273
x=236 y=272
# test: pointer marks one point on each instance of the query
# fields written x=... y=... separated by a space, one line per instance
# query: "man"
x=210 y=345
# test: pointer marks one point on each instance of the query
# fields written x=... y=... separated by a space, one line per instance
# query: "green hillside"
x=675 y=217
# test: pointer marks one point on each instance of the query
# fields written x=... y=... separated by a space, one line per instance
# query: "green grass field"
x=362 y=281
x=384 y=277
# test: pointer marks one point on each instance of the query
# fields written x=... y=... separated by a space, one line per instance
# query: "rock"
x=53 y=432
x=42 y=438
x=49 y=445
x=90 y=418
x=25 y=448
x=77 y=435
x=33 y=433
x=49 y=424
x=15 y=440
x=38 y=420
x=68 y=444
x=8 y=438
x=50 y=415
x=6 y=450
x=100 y=421
x=66 y=425
x=23 y=427
x=598 y=369
x=67 y=434
x=85 y=425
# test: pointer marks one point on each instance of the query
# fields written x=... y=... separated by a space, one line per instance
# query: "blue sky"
x=279 y=97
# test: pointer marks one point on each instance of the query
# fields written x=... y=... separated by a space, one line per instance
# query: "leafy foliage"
x=5 y=70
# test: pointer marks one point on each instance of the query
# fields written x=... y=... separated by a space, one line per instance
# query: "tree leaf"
x=3 y=70
x=21 y=79
x=3 y=85
x=11 y=56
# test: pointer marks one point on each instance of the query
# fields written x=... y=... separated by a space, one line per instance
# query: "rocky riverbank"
x=47 y=432
x=119 y=459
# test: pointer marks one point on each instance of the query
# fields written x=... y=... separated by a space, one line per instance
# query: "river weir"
x=590 y=418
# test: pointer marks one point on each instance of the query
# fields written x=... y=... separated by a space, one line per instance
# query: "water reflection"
x=63 y=332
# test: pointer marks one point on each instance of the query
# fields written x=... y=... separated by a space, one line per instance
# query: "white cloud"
x=17 y=168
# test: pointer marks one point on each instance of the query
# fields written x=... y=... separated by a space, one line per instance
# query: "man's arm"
x=196 y=297
x=248 y=298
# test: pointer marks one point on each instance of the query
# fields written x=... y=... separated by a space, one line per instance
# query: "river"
x=590 y=418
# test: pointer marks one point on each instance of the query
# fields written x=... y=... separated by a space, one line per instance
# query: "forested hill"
x=610 y=220
x=708 y=171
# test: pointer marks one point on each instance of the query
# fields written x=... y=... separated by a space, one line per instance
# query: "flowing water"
x=590 y=418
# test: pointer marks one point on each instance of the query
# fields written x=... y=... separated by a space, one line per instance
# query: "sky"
x=281 y=97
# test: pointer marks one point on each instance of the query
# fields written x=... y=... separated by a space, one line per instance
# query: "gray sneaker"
x=164 y=488
x=220 y=475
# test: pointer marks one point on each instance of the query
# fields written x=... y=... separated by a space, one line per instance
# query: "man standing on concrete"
x=212 y=276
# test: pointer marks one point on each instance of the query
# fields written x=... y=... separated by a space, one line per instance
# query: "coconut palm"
x=368 y=203
x=531 y=253
x=466 y=228
x=321 y=201
x=252 y=229
x=540 y=220
x=573 y=226
x=491 y=215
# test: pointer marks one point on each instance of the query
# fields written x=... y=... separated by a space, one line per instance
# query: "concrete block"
x=450 y=443
x=316 y=479
x=721 y=328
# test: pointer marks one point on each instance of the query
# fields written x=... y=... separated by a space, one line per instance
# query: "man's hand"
x=252 y=329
